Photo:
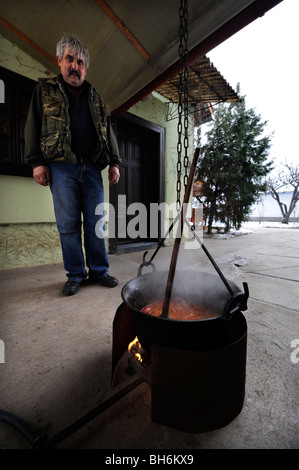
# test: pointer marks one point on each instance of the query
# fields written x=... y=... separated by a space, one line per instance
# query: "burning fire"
x=135 y=348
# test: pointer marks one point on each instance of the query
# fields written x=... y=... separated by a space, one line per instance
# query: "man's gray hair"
x=72 y=43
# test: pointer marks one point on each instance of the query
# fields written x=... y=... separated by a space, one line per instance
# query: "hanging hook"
x=145 y=264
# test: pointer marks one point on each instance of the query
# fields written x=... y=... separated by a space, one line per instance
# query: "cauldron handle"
x=145 y=263
x=236 y=303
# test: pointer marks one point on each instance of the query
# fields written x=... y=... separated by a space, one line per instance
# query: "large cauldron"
x=199 y=288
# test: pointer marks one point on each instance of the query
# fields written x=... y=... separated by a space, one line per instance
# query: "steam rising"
x=193 y=287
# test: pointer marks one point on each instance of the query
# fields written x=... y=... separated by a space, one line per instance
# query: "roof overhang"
x=133 y=44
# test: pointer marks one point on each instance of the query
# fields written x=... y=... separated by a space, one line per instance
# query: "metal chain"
x=183 y=99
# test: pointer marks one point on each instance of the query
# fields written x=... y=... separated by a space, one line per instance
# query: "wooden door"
x=141 y=184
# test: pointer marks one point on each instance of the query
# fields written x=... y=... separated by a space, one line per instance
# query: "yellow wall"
x=22 y=200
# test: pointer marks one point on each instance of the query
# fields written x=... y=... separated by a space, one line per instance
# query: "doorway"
x=141 y=185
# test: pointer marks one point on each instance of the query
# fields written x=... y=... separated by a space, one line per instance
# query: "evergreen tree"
x=232 y=165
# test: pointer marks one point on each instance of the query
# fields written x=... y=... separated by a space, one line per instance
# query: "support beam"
x=28 y=41
x=122 y=27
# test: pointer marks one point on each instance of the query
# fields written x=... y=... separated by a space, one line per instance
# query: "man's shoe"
x=108 y=281
x=71 y=287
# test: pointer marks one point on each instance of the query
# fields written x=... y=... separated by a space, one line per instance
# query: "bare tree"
x=287 y=175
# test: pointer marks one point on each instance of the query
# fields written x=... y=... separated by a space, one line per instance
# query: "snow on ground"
x=251 y=227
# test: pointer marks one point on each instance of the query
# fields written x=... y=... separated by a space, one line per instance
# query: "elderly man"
x=69 y=140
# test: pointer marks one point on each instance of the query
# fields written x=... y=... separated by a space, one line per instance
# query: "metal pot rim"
x=147 y=276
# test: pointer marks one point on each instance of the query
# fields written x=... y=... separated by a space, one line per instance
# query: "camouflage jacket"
x=47 y=130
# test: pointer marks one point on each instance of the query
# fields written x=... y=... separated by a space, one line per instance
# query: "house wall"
x=28 y=234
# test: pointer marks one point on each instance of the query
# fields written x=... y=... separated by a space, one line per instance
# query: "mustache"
x=74 y=72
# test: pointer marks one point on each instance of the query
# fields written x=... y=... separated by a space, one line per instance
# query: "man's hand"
x=41 y=174
x=113 y=175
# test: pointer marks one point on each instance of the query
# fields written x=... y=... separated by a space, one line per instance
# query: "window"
x=13 y=114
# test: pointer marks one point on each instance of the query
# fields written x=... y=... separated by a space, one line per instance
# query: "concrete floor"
x=58 y=351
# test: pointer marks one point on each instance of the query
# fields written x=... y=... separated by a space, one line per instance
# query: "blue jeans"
x=79 y=189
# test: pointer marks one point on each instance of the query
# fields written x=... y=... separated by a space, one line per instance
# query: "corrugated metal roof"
x=205 y=85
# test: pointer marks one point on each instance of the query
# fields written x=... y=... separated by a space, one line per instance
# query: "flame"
x=134 y=348
x=134 y=343
x=138 y=357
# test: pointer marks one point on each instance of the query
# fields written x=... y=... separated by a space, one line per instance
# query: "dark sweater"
x=84 y=136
